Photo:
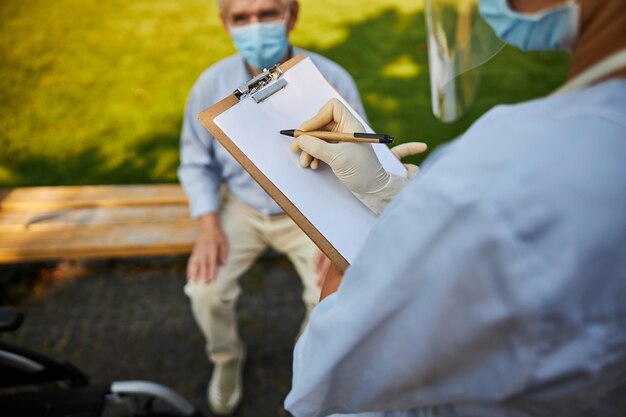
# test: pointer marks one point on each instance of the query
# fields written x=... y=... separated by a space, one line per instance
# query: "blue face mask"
x=261 y=44
x=555 y=28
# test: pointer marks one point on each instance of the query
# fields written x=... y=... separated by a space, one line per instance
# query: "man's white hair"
x=222 y=3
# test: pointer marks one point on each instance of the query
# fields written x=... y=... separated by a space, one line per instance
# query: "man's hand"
x=329 y=276
x=322 y=264
x=209 y=252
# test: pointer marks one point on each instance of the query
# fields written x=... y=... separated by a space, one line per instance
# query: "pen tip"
x=288 y=132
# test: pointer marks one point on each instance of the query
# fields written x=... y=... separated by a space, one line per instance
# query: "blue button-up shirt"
x=494 y=284
x=205 y=164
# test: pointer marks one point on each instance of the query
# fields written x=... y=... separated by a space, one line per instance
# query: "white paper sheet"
x=319 y=195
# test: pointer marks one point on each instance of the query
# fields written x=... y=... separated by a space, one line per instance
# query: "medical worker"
x=494 y=283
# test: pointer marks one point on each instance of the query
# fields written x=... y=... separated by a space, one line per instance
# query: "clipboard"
x=265 y=104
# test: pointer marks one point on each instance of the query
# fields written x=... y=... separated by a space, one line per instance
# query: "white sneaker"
x=225 y=388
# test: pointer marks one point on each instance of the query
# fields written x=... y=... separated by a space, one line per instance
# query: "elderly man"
x=236 y=227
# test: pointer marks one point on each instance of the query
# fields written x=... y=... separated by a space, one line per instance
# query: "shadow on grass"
x=387 y=56
x=372 y=49
x=152 y=159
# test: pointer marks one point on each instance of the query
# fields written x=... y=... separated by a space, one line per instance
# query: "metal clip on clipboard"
x=263 y=85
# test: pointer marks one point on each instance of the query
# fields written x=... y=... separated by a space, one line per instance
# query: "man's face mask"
x=261 y=44
x=554 y=28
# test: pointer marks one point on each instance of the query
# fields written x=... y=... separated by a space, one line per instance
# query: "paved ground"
x=120 y=320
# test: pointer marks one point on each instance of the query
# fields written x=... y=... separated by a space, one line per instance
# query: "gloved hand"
x=355 y=164
x=407 y=149
x=332 y=117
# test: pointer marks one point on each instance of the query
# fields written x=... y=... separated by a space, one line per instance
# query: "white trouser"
x=249 y=233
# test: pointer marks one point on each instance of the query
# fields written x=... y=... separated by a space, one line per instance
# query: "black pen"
x=341 y=137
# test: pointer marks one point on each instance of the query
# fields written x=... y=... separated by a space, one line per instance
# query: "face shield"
x=459 y=41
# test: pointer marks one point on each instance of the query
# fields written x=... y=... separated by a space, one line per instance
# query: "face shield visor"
x=459 y=41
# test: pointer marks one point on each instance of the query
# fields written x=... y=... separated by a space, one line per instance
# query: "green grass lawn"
x=92 y=92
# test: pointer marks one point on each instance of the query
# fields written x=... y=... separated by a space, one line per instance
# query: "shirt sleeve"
x=348 y=90
x=199 y=171
x=424 y=317
x=342 y=81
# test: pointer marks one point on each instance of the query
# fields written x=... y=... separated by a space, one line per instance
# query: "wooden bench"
x=41 y=223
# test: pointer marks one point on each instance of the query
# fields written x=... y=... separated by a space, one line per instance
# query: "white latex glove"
x=355 y=164
x=407 y=149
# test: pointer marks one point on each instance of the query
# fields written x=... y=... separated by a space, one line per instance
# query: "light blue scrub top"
x=205 y=164
x=495 y=283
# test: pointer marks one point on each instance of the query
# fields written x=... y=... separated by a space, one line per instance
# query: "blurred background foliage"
x=92 y=92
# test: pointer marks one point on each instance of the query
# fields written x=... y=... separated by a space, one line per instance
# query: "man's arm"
x=199 y=174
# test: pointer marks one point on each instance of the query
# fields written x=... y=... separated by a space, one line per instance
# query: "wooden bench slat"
x=70 y=219
x=41 y=223
x=60 y=197
x=117 y=240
